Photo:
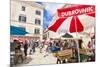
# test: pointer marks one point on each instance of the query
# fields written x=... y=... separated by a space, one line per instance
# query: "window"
x=37 y=21
x=23 y=8
x=38 y=12
x=37 y=31
x=22 y=18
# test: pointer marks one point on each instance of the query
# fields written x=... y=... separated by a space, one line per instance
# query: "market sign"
x=76 y=10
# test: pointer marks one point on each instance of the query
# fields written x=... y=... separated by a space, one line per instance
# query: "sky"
x=50 y=10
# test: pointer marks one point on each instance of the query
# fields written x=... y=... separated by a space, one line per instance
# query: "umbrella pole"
x=78 y=49
x=77 y=40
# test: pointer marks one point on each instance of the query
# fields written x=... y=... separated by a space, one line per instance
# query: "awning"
x=17 y=31
x=67 y=36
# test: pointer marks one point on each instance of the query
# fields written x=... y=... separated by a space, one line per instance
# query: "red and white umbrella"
x=75 y=19
x=83 y=19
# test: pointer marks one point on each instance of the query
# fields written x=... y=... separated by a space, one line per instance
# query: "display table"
x=64 y=54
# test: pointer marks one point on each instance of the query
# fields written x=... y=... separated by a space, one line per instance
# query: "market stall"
x=74 y=19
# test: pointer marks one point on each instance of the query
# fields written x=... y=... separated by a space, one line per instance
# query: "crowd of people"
x=21 y=48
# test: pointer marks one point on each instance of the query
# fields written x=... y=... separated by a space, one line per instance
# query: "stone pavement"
x=39 y=58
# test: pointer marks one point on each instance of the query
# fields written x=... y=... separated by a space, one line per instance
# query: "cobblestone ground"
x=38 y=59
